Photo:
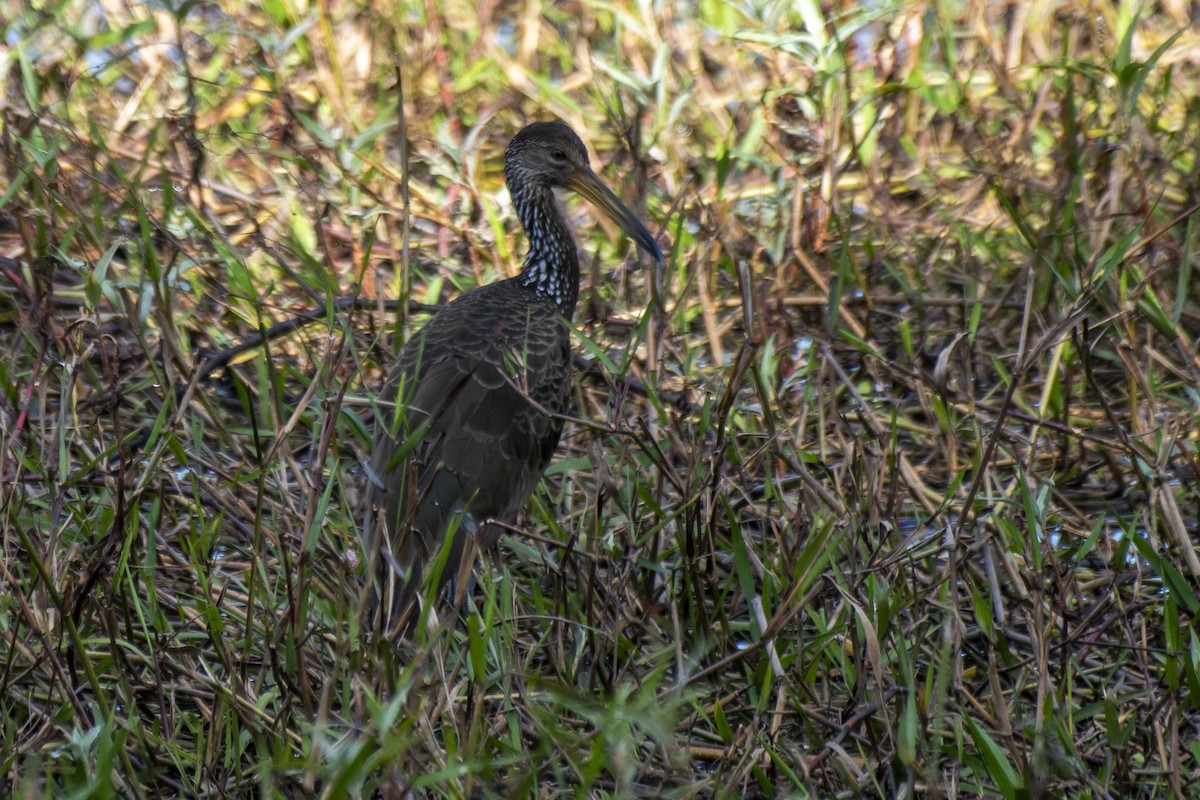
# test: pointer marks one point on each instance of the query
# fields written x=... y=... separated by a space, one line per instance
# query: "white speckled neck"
x=551 y=266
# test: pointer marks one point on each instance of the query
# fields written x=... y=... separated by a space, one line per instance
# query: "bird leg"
x=462 y=585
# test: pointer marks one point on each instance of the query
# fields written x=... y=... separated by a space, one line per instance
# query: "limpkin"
x=471 y=412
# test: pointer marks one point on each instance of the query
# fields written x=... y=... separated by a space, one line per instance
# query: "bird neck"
x=551 y=266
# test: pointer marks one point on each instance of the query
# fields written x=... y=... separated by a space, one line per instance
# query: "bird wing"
x=475 y=394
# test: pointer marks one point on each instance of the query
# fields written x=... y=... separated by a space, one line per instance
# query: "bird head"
x=548 y=155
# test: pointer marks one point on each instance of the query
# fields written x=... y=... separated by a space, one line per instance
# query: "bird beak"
x=587 y=184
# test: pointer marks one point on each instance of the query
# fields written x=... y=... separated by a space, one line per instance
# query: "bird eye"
x=558 y=155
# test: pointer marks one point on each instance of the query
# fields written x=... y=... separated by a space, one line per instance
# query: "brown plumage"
x=471 y=412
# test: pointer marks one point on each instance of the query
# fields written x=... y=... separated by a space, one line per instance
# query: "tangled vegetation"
x=888 y=486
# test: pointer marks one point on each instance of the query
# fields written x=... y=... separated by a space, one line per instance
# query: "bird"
x=472 y=410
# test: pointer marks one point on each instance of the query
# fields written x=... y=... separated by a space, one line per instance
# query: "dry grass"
x=893 y=492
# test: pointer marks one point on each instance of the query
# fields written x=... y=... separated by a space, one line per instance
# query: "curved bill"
x=587 y=184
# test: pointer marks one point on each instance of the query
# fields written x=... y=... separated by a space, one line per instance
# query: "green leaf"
x=995 y=760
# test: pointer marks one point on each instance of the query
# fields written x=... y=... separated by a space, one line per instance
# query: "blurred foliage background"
x=888 y=487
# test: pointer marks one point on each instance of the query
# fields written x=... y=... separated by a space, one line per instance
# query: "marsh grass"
x=887 y=487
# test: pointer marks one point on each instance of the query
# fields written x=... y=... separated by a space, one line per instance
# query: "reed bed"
x=888 y=486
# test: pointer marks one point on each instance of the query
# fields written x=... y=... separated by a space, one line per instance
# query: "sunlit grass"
x=888 y=488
